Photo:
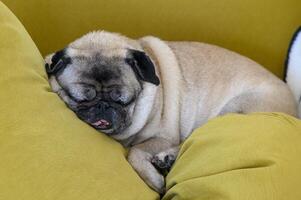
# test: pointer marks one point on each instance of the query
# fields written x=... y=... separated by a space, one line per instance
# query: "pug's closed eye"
x=82 y=92
x=118 y=95
x=90 y=93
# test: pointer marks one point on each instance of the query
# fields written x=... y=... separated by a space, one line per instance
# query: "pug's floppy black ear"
x=143 y=67
x=58 y=61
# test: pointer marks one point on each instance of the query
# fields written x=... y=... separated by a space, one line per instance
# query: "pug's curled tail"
x=293 y=67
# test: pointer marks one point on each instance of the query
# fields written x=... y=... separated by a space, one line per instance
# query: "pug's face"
x=101 y=86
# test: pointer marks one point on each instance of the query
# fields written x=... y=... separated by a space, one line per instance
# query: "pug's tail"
x=293 y=67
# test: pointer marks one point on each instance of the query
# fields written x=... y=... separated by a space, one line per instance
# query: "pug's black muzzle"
x=103 y=116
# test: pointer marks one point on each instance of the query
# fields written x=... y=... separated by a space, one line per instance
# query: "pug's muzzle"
x=104 y=116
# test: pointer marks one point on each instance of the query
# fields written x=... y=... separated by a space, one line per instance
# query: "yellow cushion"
x=260 y=30
x=46 y=153
x=240 y=157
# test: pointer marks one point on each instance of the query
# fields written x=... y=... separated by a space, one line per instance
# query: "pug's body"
x=151 y=94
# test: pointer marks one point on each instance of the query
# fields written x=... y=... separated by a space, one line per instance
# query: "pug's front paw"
x=163 y=162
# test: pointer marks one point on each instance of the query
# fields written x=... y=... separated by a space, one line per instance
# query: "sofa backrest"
x=260 y=30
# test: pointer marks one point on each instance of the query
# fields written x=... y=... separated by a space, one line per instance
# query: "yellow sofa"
x=46 y=153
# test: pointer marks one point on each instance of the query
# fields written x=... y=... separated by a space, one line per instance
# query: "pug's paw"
x=163 y=162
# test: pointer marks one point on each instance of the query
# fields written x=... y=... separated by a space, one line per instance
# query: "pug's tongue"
x=101 y=123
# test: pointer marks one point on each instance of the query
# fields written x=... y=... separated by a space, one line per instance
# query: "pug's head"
x=100 y=76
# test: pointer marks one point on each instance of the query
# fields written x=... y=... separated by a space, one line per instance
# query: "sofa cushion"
x=240 y=157
x=45 y=151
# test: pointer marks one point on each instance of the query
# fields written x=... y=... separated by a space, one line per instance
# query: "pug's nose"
x=103 y=105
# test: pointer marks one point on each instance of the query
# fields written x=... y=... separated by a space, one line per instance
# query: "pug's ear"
x=143 y=66
x=56 y=61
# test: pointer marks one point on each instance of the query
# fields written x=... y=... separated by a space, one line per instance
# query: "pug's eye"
x=90 y=93
x=116 y=96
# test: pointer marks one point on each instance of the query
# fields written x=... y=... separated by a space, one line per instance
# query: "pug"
x=151 y=94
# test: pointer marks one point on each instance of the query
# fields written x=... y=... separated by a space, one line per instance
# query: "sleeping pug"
x=150 y=94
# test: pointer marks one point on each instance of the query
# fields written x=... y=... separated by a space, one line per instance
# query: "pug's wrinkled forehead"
x=109 y=49
x=109 y=44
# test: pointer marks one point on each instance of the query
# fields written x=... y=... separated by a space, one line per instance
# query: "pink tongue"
x=101 y=123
